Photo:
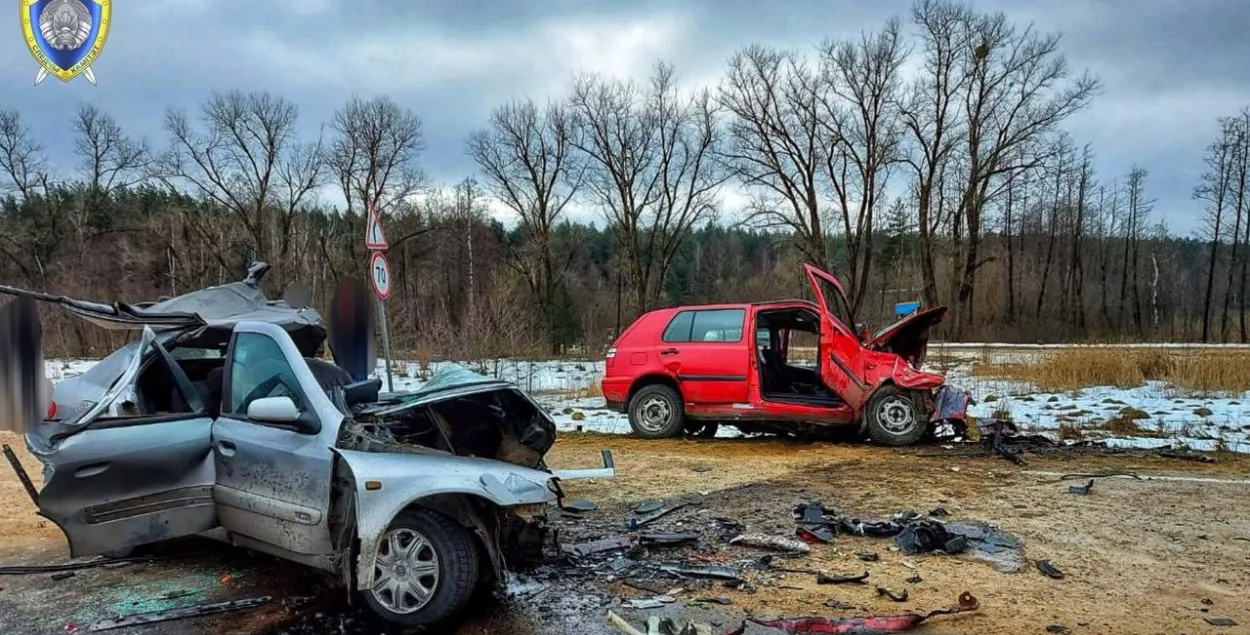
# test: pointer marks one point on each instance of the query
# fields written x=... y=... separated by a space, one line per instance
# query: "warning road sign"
x=380 y=273
x=374 y=239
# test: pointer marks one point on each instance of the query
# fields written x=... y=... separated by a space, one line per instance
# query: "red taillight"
x=51 y=410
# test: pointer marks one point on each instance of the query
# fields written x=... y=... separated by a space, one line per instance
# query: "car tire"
x=894 y=417
x=656 y=412
x=439 y=558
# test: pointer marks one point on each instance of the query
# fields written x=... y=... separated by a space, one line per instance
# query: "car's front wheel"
x=425 y=570
x=656 y=412
x=894 y=417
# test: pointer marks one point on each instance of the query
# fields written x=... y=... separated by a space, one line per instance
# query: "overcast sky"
x=1169 y=67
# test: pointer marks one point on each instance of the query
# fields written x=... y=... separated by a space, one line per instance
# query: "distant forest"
x=955 y=185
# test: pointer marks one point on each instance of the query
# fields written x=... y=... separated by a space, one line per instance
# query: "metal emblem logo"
x=65 y=36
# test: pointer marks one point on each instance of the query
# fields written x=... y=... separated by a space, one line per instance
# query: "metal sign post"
x=380 y=275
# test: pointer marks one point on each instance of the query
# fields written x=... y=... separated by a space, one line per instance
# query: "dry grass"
x=1073 y=369
x=1070 y=432
x=1122 y=426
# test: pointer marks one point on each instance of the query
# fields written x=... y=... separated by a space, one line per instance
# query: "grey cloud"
x=1169 y=68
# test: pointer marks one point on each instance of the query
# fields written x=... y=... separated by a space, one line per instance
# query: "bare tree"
x=1138 y=209
x=990 y=89
x=778 y=143
x=374 y=155
x=860 y=104
x=931 y=118
x=247 y=159
x=651 y=167
x=109 y=158
x=22 y=160
x=528 y=159
x=376 y=151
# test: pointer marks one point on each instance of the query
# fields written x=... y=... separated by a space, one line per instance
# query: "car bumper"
x=616 y=392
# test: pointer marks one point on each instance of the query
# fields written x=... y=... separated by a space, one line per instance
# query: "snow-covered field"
x=569 y=390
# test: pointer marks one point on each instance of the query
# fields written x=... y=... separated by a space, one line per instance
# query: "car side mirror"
x=273 y=410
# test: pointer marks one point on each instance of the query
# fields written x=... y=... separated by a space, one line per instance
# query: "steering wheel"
x=264 y=388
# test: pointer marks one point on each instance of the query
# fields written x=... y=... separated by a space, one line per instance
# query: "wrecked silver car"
x=220 y=420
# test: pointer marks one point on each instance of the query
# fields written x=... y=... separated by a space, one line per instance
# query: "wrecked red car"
x=693 y=368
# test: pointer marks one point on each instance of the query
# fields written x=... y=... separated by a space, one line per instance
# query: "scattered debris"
x=883 y=624
x=622 y=626
x=1220 y=621
x=839 y=604
x=914 y=580
x=775 y=543
x=643 y=585
x=579 y=506
x=701 y=468
x=924 y=536
x=643 y=519
x=818 y=535
x=296 y=603
x=868 y=556
x=990 y=545
x=108 y=563
x=1048 y=569
x=702 y=571
x=1059 y=629
x=649 y=507
x=811 y=514
x=179 y=613
x=1081 y=490
x=667 y=539
x=939 y=512
x=723 y=601
x=597 y=546
x=894 y=597
x=822 y=578
x=64 y=575
x=650 y=603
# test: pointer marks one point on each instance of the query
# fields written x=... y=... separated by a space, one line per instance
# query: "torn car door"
x=841 y=363
x=112 y=482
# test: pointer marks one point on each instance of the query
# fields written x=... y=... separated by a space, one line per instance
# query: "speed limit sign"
x=380 y=273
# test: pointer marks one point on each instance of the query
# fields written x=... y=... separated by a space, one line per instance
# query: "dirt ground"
x=1140 y=557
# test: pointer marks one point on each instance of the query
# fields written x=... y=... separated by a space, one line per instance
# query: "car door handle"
x=226 y=448
x=88 y=471
x=669 y=351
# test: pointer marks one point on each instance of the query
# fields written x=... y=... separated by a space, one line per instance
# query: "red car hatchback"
x=693 y=368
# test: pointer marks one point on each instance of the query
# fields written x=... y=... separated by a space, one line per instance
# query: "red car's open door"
x=841 y=354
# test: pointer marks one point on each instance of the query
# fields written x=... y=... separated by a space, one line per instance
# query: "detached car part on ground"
x=692 y=369
x=219 y=420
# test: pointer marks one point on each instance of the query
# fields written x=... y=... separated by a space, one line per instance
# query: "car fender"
x=904 y=375
x=404 y=479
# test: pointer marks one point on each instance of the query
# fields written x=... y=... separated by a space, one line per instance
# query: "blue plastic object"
x=904 y=309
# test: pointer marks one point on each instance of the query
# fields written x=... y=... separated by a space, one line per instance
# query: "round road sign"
x=380 y=273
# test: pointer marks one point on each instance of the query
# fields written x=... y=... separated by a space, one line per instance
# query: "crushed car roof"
x=220 y=306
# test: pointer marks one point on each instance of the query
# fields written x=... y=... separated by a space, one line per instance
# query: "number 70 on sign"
x=380 y=275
